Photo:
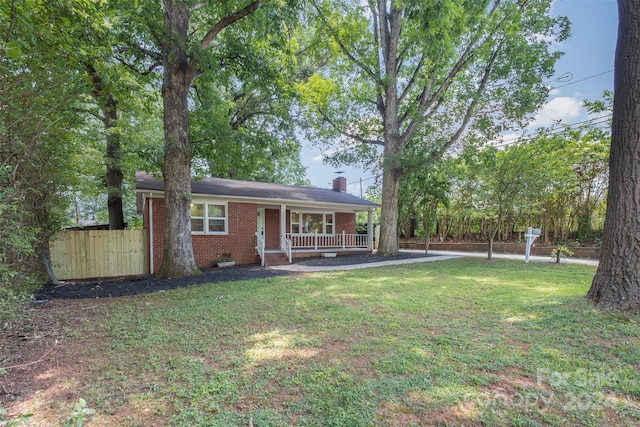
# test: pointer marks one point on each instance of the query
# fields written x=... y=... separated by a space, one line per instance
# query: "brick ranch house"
x=257 y=222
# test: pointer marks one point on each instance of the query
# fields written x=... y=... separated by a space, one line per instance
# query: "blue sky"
x=588 y=61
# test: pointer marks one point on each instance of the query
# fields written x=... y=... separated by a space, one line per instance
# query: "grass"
x=459 y=342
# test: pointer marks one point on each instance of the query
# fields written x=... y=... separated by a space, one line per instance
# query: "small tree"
x=421 y=192
x=512 y=177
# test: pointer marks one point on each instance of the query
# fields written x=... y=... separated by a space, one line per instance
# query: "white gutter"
x=150 y=234
x=291 y=203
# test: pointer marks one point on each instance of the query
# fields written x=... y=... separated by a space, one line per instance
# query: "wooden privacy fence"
x=99 y=253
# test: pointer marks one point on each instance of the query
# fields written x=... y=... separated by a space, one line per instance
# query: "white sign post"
x=531 y=235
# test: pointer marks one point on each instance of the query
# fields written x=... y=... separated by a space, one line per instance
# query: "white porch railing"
x=328 y=241
x=260 y=245
x=286 y=246
x=289 y=243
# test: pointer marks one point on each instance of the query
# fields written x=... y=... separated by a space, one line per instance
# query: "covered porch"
x=297 y=231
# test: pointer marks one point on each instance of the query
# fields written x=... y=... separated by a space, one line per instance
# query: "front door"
x=260 y=225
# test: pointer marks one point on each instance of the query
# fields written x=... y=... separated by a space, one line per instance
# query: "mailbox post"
x=531 y=235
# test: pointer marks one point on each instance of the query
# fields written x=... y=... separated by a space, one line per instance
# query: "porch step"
x=275 y=259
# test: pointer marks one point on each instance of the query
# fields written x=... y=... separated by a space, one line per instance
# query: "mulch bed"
x=118 y=287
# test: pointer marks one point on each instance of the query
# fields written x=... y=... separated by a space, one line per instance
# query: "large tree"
x=616 y=284
x=411 y=76
x=189 y=41
x=181 y=66
x=123 y=126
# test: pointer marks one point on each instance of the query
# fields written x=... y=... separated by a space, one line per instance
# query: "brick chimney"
x=340 y=184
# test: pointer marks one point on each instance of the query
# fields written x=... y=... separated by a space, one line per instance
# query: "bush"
x=12 y=305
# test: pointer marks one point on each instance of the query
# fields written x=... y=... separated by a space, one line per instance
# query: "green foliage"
x=19 y=421
x=348 y=99
x=555 y=179
x=16 y=238
x=79 y=414
x=421 y=192
x=12 y=305
x=37 y=140
x=242 y=125
x=408 y=79
x=560 y=251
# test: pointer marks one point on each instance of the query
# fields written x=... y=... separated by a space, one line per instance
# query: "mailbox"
x=531 y=235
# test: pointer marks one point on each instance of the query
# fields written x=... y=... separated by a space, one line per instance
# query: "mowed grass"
x=459 y=342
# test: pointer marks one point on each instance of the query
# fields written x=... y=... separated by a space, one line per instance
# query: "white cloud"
x=354 y=188
x=562 y=108
x=320 y=157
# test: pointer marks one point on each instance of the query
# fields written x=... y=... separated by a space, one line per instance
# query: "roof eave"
x=272 y=201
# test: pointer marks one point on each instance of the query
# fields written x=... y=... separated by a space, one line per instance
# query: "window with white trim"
x=312 y=222
x=208 y=218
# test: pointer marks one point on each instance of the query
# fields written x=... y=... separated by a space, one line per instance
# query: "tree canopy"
x=409 y=78
x=81 y=108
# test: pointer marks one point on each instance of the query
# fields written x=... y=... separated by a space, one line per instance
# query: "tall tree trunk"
x=114 y=176
x=180 y=70
x=390 y=25
x=389 y=243
x=178 y=259
x=616 y=284
x=391 y=176
x=46 y=260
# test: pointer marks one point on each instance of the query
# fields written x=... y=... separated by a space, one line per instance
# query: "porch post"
x=370 y=230
x=283 y=225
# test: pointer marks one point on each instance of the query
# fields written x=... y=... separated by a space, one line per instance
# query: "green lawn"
x=459 y=342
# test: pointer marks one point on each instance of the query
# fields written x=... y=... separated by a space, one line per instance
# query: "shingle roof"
x=258 y=190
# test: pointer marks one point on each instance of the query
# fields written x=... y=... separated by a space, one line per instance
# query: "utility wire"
x=581 y=80
x=362 y=180
x=555 y=131
x=593 y=121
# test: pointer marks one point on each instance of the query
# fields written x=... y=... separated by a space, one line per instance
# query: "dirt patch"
x=43 y=358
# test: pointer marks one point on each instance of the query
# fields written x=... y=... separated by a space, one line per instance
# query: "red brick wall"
x=272 y=228
x=345 y=221
x=240 y=242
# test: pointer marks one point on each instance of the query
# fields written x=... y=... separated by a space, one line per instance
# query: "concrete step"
x=275 y=259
